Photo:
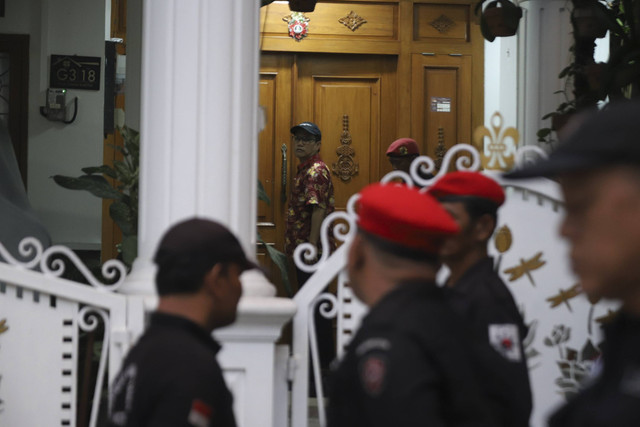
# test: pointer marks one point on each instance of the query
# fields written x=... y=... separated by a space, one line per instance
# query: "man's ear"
x=356 y=256
x=483 y=227
x=211 y=280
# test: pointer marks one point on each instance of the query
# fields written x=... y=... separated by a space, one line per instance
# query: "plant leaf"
x=262 y=194
x=122 y=215
x=104 y=169
x=95 y=184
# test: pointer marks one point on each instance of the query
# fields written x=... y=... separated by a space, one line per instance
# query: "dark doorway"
x=14 y=94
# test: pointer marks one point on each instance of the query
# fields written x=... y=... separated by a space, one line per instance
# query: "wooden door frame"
x=17 y=45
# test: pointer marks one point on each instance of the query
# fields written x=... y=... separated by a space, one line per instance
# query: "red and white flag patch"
x=200 y=414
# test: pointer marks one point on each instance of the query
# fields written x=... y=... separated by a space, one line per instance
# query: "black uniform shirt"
x=406 y=366
x=171 y=378
x=613 y=399
x=489 y=312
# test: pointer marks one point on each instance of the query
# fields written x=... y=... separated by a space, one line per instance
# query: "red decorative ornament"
x=298 y=26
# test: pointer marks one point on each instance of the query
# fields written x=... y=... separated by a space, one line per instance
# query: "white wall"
x=64 y=27
x=521 y=72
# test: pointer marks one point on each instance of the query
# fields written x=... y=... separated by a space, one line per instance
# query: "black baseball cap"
x=602 y=138
x=312 y=128
x=200 y=237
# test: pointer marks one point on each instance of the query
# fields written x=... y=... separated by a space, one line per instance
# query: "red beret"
x=473 y=184
x=403 y=147
x=405 y=216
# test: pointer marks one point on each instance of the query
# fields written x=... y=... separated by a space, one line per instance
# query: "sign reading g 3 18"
x=75 y=72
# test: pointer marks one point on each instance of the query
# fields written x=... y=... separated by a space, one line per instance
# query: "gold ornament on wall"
x=498 y=146
x=525 y=267
x=345 y=167
x=352 y=21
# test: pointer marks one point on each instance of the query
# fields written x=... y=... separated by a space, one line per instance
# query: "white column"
x=199 y=148
x=521 y=72
x=198 y=123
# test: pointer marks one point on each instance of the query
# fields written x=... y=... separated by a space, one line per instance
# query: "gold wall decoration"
x=352 y=21
x=564 y=296
x=502 y=241
x=443 y=23
x=345 y=167
x=525 y=267
x=497 y=159
x=441 y=150
x=3 y=326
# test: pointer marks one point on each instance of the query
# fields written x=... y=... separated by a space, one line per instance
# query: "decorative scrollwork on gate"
x=345 y=167
x=50 y=264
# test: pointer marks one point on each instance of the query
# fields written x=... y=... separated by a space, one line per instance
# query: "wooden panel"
x=381 y=20
x=362 y=87
x=266 y=147
x=434 y=22
x=441 y=102
x=358 y=100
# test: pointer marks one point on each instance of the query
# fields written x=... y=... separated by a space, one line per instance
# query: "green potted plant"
x=123 y=190
x=500 y=18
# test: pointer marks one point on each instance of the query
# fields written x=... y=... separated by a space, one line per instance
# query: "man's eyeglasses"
x=304 y=139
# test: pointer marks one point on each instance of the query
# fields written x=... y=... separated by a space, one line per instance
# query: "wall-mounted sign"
x=440 y=105
x=75 y=72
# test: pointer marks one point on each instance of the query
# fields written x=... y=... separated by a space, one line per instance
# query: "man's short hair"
x=475 y=206
x=396 y=250
x=192 y=248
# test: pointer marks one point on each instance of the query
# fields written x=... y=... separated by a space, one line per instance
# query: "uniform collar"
x=179 y=322
x=482 y=267
x=311 y=160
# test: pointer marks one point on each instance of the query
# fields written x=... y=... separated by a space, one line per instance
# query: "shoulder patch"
x=504 y=338
x=373 y=372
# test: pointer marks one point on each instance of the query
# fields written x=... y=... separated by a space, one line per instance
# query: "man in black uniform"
x=171 y=376
x=598 y=167
x=480 y=297
x=407 y=365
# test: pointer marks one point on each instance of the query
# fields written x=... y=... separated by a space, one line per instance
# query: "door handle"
x=283 y=187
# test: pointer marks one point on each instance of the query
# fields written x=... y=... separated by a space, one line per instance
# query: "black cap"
x=199 y=237
x=312 y=128
x=607 y=137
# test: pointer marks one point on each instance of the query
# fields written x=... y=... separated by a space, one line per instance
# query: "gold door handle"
x=283 y=188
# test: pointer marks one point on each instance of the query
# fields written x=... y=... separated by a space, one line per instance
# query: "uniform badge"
x=200 y=414
x=504 y=338
x=373 y=370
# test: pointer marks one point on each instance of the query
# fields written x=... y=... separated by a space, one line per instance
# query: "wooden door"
x=440 y=102
x=352 y=100
x=274 y=154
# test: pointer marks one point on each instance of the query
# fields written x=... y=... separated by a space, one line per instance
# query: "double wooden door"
x=351 y=99
x=355 y=101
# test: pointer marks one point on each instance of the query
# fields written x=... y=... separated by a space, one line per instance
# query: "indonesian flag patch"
x=200 y=414
x=504 y=338
x=373 y=370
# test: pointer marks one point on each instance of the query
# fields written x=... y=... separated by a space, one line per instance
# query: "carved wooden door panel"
x=274 y=154
x=352 y=100
x=441 y=102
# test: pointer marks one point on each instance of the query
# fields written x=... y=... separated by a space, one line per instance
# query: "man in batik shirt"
x=312 y=193
x=310 y=202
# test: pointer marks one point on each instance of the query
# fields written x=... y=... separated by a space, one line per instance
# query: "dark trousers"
x=324 y=332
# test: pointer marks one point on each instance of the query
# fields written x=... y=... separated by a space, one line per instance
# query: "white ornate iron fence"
x=42 y=315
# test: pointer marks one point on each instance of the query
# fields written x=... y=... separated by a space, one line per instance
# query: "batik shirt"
x=312 y=187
